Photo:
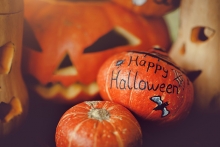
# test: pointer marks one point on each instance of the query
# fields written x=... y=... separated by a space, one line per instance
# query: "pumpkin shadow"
x=39 y=128
x=197 y=130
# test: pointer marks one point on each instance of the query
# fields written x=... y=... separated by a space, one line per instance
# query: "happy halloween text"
x=120 y=81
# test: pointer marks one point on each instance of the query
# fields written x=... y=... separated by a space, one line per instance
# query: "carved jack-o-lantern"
x=13 y=94
x=150 y=7
x=70 y=48
x=197 y=50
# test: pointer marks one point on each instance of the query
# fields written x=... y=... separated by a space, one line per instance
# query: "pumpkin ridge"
x=146 y=117
x=96 y=133
x=124 y=117
x=117 y=135
x=73 y=133
x=86 y=108
x=111 y=108
x=106 y=86
x=105 y=106
x=74 y=114
x=130 y=98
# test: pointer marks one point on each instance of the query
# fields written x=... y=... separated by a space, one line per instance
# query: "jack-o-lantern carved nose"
x=66 y=67
x=6 y=57
x=114 y=38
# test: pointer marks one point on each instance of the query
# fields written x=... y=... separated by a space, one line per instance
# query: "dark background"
x=38 y=130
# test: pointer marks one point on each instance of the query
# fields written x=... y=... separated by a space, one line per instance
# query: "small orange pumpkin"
x=98 y=123
x=67 y=50
x=148 y=83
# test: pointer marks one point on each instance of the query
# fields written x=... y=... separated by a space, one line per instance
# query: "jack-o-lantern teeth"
x=201 y=34
x=9 y=111
x=114 y=38
x=6 y=57
x=139 y=2
x=193 y=75
x=66 y=67
x=71 y=70
x=66 y=92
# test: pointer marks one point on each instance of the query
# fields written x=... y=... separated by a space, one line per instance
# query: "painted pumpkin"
x=150 y=7
x=148 y=83
x=13 y=94
x=69 y=48
x=98 y=123
x=197 y=51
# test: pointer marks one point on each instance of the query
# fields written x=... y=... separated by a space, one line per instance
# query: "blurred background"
x=38 y=129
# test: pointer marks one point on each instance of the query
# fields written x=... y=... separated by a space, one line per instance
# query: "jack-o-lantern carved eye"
x=6 y=57
x=66 y=67
x=116 y=37
x=139 y=2
x=29 y=39
x=200 y=34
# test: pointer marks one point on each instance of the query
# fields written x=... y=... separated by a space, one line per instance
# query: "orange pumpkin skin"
x=72 y=33
x=150 y=7
x=147 y=83
x=98 y=123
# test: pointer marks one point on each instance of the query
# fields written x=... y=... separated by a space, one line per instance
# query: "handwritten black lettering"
x=133 y=60
x=150 y=65
x=114 y=79
x=133 y=81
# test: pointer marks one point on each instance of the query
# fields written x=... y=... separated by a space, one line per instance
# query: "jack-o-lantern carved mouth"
x=66 y=92
x=193 y=75
x=10 y=110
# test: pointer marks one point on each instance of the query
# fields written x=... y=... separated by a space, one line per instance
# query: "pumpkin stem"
x=99 y=114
